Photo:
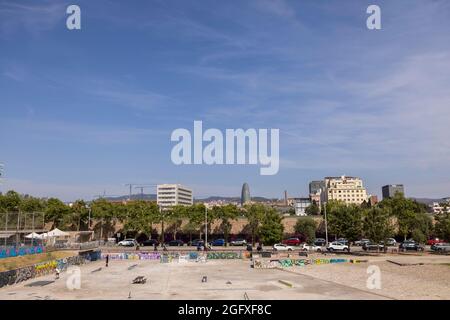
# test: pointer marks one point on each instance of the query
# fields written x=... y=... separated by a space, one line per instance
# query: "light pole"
x=206 y=226
x=326 y=225
x=325 y=217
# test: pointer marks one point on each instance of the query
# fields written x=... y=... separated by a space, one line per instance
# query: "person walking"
x=107 y=260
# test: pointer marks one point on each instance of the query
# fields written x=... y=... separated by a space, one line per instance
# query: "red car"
x=434 y=241
x=292 y=242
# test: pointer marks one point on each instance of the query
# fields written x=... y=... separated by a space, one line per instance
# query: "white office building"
x=300 y=205
x=168 y=195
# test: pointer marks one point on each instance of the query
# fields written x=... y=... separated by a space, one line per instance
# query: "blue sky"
x=83 y=112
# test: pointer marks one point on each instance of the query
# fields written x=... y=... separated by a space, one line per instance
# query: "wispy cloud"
x=32 y=17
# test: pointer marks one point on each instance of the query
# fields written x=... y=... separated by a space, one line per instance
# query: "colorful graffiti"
x=224 y=255
x=22 y=274
x=7 y=252
x=132 y=256
x=286 y=263
x=174 y=256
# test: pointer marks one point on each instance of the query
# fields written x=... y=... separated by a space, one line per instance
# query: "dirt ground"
x=419 y=277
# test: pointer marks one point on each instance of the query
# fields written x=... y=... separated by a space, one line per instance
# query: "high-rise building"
x=390 y=190
x=173 y=194
x=316 y=186
x=347 y=189
x=245 y=194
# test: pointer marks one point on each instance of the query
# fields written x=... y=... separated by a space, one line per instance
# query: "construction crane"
x=142 y=187
x=131 y=187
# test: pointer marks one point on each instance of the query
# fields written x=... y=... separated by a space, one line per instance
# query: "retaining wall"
x=22 y=274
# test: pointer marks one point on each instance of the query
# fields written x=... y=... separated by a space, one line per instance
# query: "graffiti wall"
x=224 y=255
x=173 y=256
x=22 y=274
x=7 y=252
x=285 y=263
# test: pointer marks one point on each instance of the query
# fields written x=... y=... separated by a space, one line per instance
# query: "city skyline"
x=90 y=110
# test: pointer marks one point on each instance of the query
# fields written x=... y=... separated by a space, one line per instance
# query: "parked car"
x=218 y=242
x=128 y=243
x=430 y=242
x=313 y=248
x=197 y=242
x=441 y=247
x=320 y=242
x=338 y=246
x=282 y=247
x=292 y=241
x=360 y=243
x=390 y=242
x=370 y=246
x=175 y=243
x=238 y=242
x=410 y=245
x=149 y=242
x=343 y=241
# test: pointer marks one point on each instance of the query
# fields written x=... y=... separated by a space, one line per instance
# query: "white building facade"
x=168 y=195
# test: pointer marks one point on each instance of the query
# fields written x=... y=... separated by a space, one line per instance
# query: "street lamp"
x=325 y=217
x=206 y=227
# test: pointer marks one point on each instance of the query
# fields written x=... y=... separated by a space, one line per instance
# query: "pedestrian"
x=57 y=274
x=107 y=260
x=155 y=247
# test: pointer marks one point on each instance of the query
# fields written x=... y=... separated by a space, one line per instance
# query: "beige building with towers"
x=168 y=195
x=347 y=189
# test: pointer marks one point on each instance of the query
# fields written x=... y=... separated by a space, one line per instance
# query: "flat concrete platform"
x=226 y=279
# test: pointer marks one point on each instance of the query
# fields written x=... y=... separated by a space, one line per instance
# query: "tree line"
x=393 y=217
x=397 y=216
x=140 y=217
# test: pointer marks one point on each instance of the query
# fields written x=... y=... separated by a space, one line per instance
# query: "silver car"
x=238 y=242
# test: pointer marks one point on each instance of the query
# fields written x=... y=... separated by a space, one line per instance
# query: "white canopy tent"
x=33 y=235
x=57 y=233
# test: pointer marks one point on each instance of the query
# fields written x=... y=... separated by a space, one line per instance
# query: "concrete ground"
x=232 y=279
x=226 y=279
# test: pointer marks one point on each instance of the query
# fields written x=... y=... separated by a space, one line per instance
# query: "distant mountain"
x=152 y=197
x=232 y=199
x=429 y=201
x=144 y=196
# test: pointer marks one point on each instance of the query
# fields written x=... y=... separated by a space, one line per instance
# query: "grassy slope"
x=27 y=260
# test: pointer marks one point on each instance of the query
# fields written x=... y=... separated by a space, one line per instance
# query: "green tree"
x=313 y=209
x=196 y=216
x=225 y=214
x=422 y=227
x=442 y=225
x=139 y=216
x=307 y=227
x=56 y=212
x=345 y=221
x=10 y=201
x=377 y=224
x=31 y=204
x=79 y=216
x=409 y=214
x=104 y=211
x=254 y=214
x=271 y=230
x=175 y=217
